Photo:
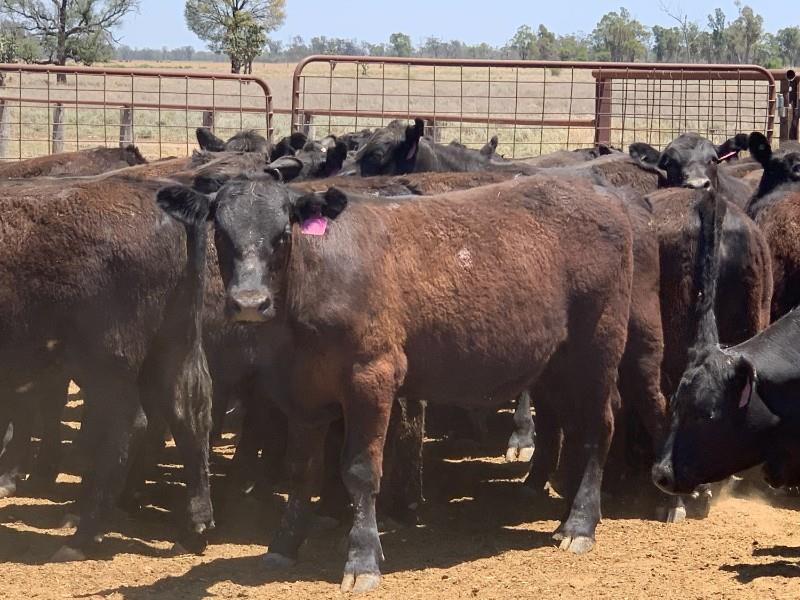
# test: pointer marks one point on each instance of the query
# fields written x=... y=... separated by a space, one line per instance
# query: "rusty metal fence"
x=533 y=106
x=48 y=109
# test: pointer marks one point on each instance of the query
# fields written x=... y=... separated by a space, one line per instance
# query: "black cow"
x=415 y=298
x=314 y=161
x=244 y=141
x=735 y=407
x=685 y=161
x=398 y=149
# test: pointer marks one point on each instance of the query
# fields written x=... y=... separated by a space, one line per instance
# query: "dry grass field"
x=532 y=110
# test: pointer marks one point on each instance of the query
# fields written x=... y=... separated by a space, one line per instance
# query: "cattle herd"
x=636 y=308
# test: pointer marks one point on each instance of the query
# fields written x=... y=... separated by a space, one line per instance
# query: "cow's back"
x=478 y=286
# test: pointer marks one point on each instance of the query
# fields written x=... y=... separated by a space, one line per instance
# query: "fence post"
x=57 y=144
x=125 y=126
x=208 y=119
x=602 y=110
x=3 y=120
x=306 y=123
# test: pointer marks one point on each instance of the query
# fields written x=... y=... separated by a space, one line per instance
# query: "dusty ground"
x=481 y=538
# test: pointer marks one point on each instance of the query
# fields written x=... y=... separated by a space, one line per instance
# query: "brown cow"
x=776 y=209
x=91 y=272
x=461 y=298
x=83 y=162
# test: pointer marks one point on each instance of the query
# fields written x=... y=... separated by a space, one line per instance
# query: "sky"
x=161 y=23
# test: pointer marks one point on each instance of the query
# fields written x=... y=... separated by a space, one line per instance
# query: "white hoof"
x=275 y=561
x=67 y=554
x=360 y=584
x=70 y=521
x=577 y=545
x=519 y=454
x=676 y=515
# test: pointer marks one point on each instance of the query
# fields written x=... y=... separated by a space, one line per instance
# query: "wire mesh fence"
x=48 y=109
x=533 y=107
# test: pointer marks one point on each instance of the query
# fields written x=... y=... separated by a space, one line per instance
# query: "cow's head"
x=719 y=423
x=686 y=159
x=253 y=216
x=391 y=150
x=779 y=168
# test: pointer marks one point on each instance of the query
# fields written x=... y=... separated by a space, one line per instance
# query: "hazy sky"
x=160 y=22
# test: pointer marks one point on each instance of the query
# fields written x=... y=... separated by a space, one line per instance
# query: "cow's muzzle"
x=251 y=306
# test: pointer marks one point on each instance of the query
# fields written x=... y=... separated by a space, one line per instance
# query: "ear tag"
x=746 y=393
x=316 y=225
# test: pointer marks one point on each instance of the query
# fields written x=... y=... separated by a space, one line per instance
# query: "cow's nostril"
x=265 y=305
x=663 y=477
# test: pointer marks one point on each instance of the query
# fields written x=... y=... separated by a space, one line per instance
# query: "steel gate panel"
x=533 y=106
x=46 y=109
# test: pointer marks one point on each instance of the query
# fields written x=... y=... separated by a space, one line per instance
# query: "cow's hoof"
x=360 y=584
x=70 y=521
x=276 y=562
x=523 y=455
x=676 y=515
x=67 y=554
x=8 y=488
x=576 y=545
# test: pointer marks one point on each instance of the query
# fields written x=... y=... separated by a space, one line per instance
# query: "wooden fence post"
x=125 y=126
x=57 y=143
x=4 y=118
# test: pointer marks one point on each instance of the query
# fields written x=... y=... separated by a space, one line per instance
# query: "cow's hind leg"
x=520 y=444
x=367 y=412
x=120 y=426
x=597 y=360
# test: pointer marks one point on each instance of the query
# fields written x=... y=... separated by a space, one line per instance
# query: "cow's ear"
x=186 y=205
x=746 y=378
x=329 y=204
x=335 y=157
x=413 y=135
x=286 y=168
x=760 y=148
x=297 y=140
x=644 y=153
x=208 y=141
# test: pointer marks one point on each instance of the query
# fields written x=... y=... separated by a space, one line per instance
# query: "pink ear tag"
x=316 y=225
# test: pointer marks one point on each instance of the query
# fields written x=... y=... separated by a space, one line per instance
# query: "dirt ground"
x=480 y=537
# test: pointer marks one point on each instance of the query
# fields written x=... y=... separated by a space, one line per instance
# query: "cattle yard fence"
x=47 y=109
x=533 y=107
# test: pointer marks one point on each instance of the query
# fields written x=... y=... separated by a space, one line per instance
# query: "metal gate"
x=533 y=106
x=48 y=109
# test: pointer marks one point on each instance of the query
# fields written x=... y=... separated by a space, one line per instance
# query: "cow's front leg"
x=366 y=412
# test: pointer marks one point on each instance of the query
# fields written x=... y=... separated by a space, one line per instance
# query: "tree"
x=718 y=28
x=744 y=33
x=244 y=40
x=687 y=29
x=79 y=30
x=401 y=44
x=233 y=25
x=524 y=42
x=788 y=40
x=620 y=37
x=546 y=44
x=666 y=43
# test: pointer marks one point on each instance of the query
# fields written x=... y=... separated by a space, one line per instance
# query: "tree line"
x=83 y=31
